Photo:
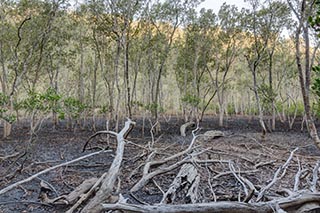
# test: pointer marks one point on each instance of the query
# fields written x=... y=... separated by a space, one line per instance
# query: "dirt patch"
x=254 y=158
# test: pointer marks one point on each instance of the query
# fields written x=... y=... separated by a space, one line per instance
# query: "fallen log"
x=288 y=204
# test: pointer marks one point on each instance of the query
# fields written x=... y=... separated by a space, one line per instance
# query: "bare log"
x=221 y=207
x=292 y=203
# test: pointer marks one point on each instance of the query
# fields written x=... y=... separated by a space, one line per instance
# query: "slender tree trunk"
x=81 y=71
x=258 y=102
x=304 y=75
x=116 y=71
x=126 y=70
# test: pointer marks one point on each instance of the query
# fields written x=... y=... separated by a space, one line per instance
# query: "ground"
x=253 y=157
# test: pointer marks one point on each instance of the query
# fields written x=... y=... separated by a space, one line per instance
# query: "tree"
x=304 y=58
x=196 y=50
x=263 y=25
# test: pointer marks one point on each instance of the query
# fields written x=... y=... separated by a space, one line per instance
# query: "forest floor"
x=254 y=158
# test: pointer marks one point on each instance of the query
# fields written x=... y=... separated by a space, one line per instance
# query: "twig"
x=297 y=177
x=96 y=134
x=9 y=156
x=210 y=184
x=230 y=173
x=26 y=202
x=245 y=189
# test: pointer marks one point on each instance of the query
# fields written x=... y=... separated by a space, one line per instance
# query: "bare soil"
x=254 y=157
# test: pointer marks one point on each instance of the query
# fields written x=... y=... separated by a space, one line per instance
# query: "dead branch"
x=184 y=127
x=146 y=176
x=313 y=186
x=10 y=187
x=220 y=174
x=276 y=176
x=222 y=207
x=108 y=182
x=285 y=204
x=9 y=156
x=297 y=177
x=96 y=134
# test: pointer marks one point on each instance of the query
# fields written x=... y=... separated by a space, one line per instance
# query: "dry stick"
x=222 y=207
x=243 y=181
x=276 y=177
x=297 y=177
x=150 y=144
x=98 y=133
x=313 y=186
x=210 y=184
x=229 y=173
x=10 y=187
x=231 y=167
x=9 y=156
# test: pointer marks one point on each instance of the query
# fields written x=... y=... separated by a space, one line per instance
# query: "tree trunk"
x=304 y=75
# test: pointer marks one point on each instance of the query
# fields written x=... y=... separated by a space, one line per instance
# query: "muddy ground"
x=256 y=158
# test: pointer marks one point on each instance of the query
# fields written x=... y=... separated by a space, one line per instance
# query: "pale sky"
x=216 y=4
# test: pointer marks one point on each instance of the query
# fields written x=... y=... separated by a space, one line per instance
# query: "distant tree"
x=263 y=24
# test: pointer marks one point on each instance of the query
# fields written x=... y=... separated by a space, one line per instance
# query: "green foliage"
x=267 y=94
x=73 y=107
x=316 y=83
x=191 y=100
x=153 y=107
x=314 y=20
x=103 y=109
x=230 y=109
x=43 y=102
x=4 y=101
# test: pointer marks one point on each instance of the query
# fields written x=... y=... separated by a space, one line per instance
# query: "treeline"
x=132 y=57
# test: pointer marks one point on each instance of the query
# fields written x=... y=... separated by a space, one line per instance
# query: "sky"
x=216 y=4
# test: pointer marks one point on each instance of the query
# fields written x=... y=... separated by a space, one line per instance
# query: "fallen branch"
x=313 y=186
x=108 y=182
x=276 y=176
x=9 y=156
x=291 y=203
x=10 y=187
